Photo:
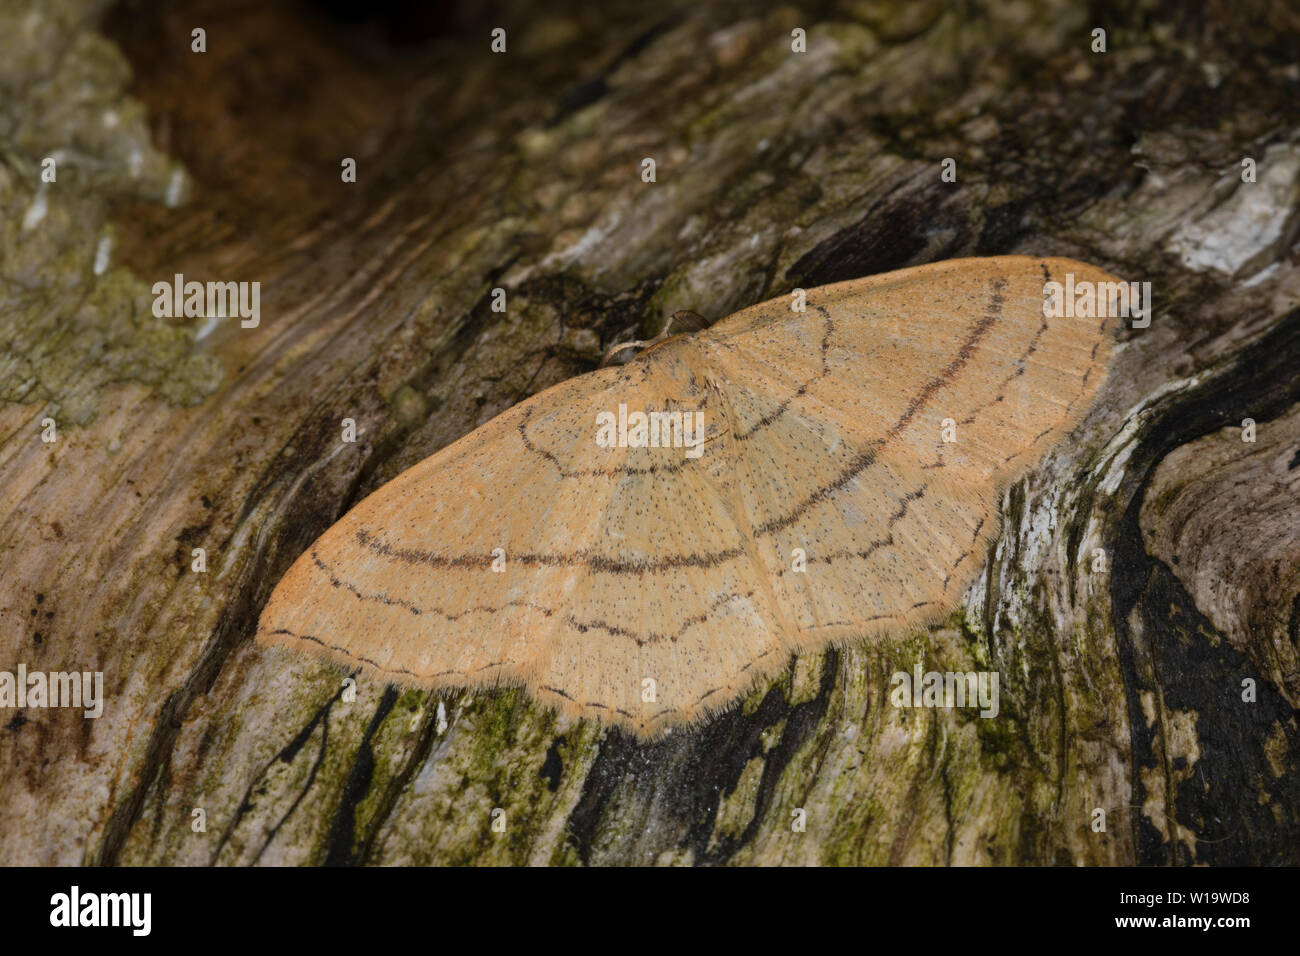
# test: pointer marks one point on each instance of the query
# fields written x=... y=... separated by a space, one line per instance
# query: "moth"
x=846 y=463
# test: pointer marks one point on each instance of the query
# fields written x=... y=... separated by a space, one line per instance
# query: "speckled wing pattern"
x=650 y=589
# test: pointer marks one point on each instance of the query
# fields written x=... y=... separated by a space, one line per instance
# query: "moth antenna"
x=686 y=319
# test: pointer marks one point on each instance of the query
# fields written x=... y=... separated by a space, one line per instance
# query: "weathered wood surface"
x=1121 y=689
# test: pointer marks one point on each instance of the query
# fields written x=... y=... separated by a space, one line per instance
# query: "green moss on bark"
x=70 y=322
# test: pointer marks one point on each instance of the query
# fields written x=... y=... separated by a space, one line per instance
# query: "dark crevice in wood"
x=342 y=844
x=287 y=754
x=1198 y=669
x=702 y=767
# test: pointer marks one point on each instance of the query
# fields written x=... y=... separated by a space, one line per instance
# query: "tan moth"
x=848 y=462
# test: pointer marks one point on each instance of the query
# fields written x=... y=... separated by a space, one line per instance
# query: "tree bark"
x=1146 y=577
